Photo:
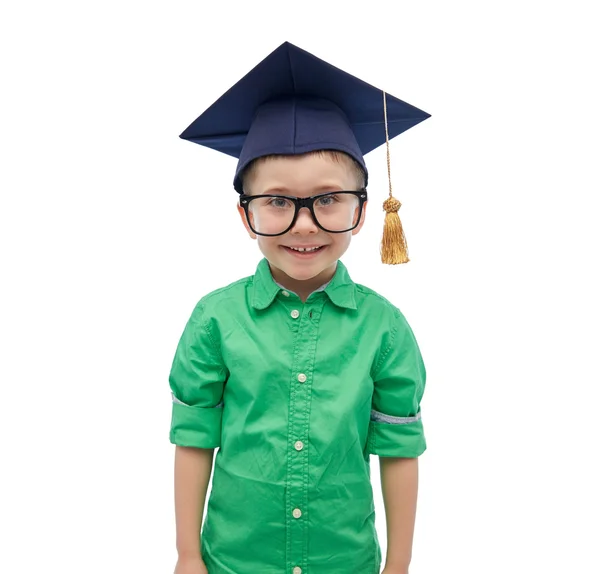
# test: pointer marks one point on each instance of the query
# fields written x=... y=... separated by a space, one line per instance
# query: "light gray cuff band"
x=382 y=418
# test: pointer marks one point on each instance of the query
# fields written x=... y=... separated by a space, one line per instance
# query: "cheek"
x=341 y=240
x=267 y=243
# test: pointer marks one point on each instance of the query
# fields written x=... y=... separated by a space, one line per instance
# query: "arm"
x=399 y=486
x=396 y=435
x=197 y=381
x=193 y=467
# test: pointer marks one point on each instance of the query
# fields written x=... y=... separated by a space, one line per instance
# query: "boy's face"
x=302 y=176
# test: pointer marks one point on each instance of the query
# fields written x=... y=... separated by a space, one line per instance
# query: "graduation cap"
x=293 y=103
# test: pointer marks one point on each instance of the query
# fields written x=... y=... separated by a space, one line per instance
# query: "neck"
x=303 y=287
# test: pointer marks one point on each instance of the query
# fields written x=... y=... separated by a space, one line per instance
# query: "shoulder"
x=228 y=296
x=372 y=301
x=387 y=315
x=397 y=339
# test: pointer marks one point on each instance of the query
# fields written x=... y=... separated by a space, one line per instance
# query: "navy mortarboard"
x=292 y=103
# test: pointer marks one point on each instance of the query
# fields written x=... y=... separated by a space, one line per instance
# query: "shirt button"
x=299 y=445
x=297 y=570
x=285 y=293
x=297 y=513
x=302 y=377
x=295 y=314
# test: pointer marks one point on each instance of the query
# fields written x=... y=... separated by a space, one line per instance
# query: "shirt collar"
x=321 y=288
x=340 y=290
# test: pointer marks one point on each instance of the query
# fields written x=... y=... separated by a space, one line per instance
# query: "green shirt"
x=296 y=396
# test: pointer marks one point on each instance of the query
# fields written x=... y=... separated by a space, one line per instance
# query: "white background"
x=112 y=228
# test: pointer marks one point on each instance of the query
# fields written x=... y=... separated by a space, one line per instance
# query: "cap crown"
x=293 y=102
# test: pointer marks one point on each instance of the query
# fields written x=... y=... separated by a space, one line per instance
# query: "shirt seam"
x=390 y=347
x=204 y=324
x=216 y=347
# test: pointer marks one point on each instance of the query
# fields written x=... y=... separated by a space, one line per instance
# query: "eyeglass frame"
x=308 y=202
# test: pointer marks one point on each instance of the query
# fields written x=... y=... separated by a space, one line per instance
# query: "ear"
x=245 y=221
x=362 y=219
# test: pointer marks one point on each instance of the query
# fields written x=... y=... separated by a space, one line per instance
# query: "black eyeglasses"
x=333 y=211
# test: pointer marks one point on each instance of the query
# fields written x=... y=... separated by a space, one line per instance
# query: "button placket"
x=305 y=325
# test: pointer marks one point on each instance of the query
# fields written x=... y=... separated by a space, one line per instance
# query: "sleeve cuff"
x=396 y=436
x=198 y=427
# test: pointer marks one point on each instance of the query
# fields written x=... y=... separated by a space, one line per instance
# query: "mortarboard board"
x=292 y=103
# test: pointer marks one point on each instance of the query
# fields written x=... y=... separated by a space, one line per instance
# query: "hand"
x=190 y=566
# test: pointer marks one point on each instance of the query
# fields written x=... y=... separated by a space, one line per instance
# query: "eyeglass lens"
x=272 y=215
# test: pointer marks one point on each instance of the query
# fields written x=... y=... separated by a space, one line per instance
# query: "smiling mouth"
x=306 y=249
x=304 y=252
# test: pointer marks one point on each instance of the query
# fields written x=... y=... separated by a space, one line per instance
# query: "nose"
x=304 y=222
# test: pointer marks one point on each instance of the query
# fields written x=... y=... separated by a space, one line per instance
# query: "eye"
x=279 y=202
x=327 y=200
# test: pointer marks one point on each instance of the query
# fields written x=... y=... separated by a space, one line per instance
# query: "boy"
x=297 y=374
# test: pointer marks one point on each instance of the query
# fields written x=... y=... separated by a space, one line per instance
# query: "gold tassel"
x=393 y=244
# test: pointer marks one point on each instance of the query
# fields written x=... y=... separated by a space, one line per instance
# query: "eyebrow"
x=316 y=191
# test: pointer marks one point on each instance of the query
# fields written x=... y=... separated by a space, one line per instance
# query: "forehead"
x=302 y=174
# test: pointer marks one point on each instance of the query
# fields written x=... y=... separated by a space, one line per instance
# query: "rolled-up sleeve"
x=197 y=380
x=396 y=427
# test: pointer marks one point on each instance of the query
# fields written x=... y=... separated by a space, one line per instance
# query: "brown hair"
x=334 y=155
